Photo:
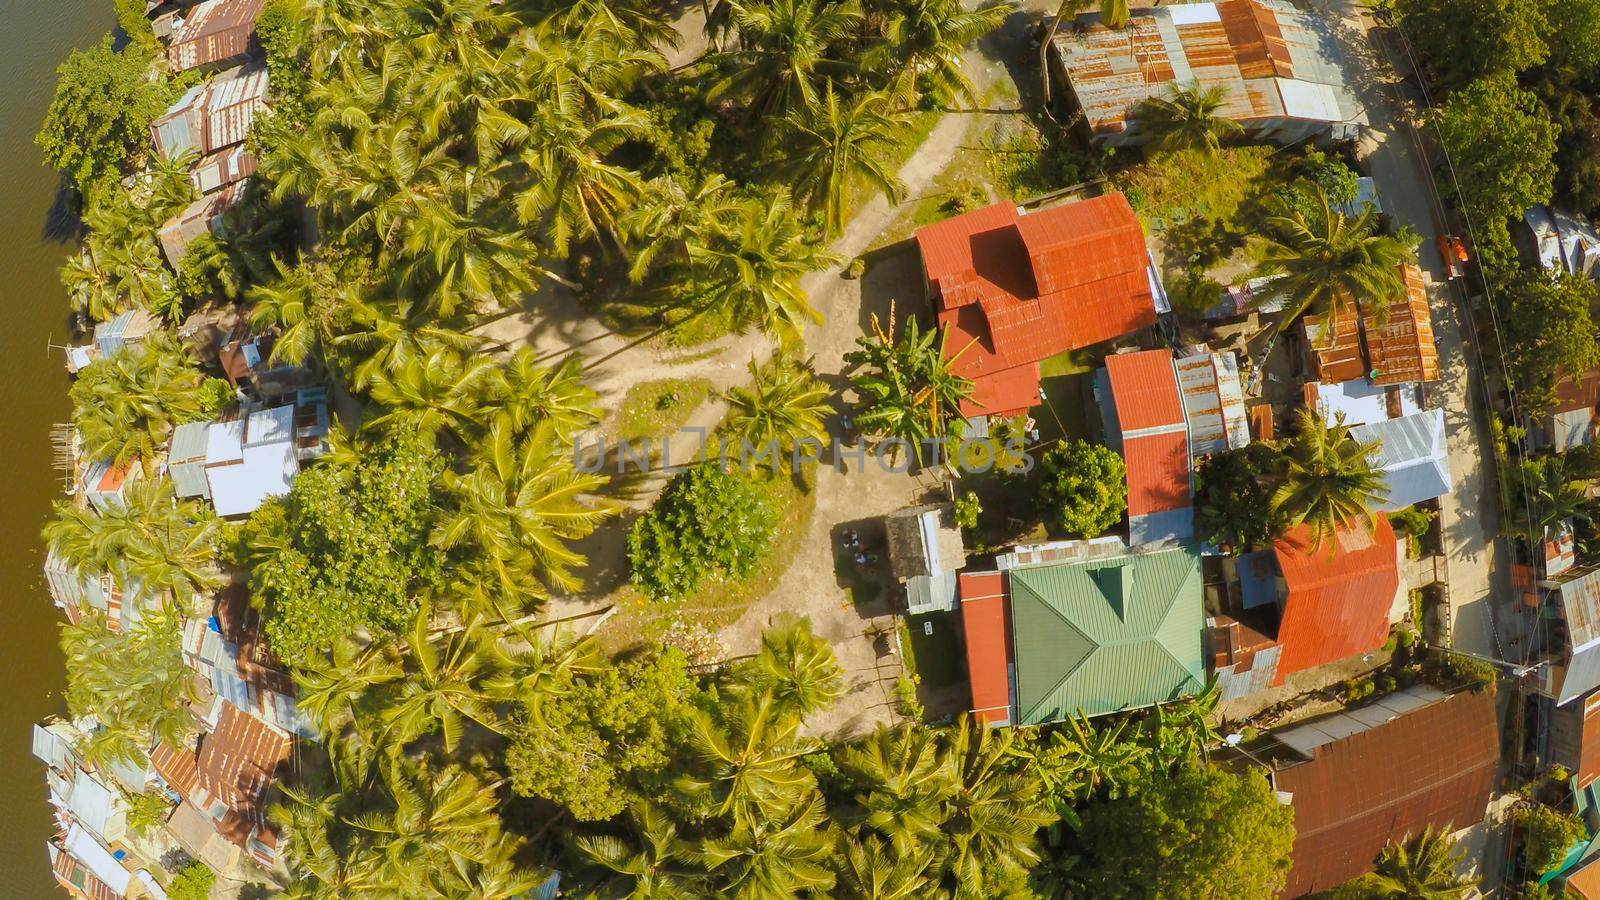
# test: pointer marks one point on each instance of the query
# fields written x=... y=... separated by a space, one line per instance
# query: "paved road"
x=1469 y=514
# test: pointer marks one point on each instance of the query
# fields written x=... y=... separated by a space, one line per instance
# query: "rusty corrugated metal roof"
x=214 y=31
x=1431 y=767
x=985 y=618
x=1339 y=594
x=1400 y=350
x=1336 y=357
x=1266 y=54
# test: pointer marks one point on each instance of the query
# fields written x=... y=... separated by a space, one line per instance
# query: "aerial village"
x=1315 y=517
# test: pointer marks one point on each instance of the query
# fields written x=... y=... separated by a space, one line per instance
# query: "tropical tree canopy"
x=1329 y=481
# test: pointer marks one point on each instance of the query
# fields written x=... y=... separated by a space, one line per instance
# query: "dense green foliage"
x=1233 y=498
x=125 y=406
x=1549 y=330
x=98 y=124
x=346 y=551
x=1326 y=263
x=1329 y=480
x=147 y=541
x=1547 y=835
x=1469 y=39
x=193 y=882
x=133 y=680
x=1502 y=143
x=707 y=522
x=1203 y=832
x=907 y=389
x=1082 y=488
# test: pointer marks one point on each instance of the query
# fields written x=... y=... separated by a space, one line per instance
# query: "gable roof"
x=1413 y=455
x=236 y=764
x=1339 y=594
x=1577 y=594
x=214 y=31
x=986 y=619
x=1400 y=348
x=1149 y=416
x=1105 y=635
x=1431 y=766
x=1336 y=355
x=1013 y=288
x=1271 y=59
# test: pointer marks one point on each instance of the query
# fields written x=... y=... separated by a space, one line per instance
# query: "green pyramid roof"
x=1104 y=635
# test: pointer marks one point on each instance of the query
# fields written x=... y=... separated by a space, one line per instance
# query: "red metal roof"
x=1434 y=766
x=1158 y=472
x=1340 y=594
x=237 y=763
x=985 y=619
x=1008 y=392
x=176 y=766
x=1146 y=389
x=1015 y=289
x=1589 y=751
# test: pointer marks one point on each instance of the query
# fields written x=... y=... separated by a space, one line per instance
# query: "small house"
x=1091 y=631
x=1280 y=69
x=250 y=458
x=1570 y=422
x=105 y=483
x=1380 y=773
x=186 y=460
x=1013 y=287
x=212 y=116
x=198 y=218
x=228 y=776
x=1316 y=604
x=925 y=552
x=1561 y=241
x=1145 y=422
x=213 y=34
x=1572 y=668
x=1412 y=454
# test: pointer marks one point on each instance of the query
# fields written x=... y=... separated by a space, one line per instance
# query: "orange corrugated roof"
x=1158 y=472
x=1008 y=392
x=1013 y=290
x=1400 y=350
x=984 y=619
x=1146 y=390
x=1337 y=357
x=1339 y=594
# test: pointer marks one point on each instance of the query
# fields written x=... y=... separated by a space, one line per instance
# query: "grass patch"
x=1227 y=185
x=654 y=408
x=1066 y=412
x=1068 y=362
x=936 y=657
x=720 y=601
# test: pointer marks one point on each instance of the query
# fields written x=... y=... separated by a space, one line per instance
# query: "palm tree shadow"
x=63 y=221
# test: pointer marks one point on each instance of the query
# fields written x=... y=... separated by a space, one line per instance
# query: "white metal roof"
x=97 y=859
x=265 y=470
x=270 y=426
x=224 y=442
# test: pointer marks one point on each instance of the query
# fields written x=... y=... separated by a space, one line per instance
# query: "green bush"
x=99 y=120
x=1547 y=835
x=1452 y=670
x=1082 y=488
x=1194 y=293
x=192 y=883
x=707 y=522
x=967 y=510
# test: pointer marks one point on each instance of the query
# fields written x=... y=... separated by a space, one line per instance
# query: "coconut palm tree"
x=652 y=862
x=310 y=305
x=631 y=24
x=539 y=667
x=751 y=273
x=125 y=405
x=442 y=687
x=525 y=394
x=382 y=339
x=1329 y=263
x=870 y=870
x=670 y=214
x=797 y=667
x=440 y=393
x=906 y=780
x=783 y=404
x=1550 y=494
x=1188 y=117
x=134 y=682
x=746 y=756
x=331 y=692
x=324 y=862
x=1329 y=478
x=906 y=388
x=1421 y=869
x=435 y=824
x=153 y=545
x=830 y=148
x=922 y=46
x=996 y=812
x=517 y=508
x=777 y=853
x=571 y=192
x=458 y=248
x=782 y=54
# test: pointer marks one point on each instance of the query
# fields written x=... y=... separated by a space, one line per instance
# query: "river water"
x=35 y=35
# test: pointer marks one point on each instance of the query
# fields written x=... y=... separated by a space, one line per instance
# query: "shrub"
x=967 y=510
x=192 y=883
x=99 y=119
x=1547 y=835
x=1194 y=293
x=1452 y=670
x=1233 y=498
x=1083 y=488
x=707 y=522
x=1413 y=524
